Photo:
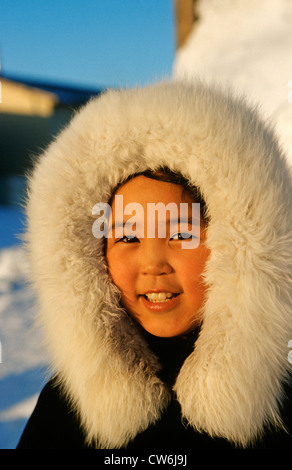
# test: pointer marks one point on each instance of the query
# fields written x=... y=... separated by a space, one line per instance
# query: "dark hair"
x=166 y=175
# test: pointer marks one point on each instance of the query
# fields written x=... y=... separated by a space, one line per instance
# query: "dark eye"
x=129 y=239
x=181 y=236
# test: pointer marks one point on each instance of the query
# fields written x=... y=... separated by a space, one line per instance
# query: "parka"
x=114 y=385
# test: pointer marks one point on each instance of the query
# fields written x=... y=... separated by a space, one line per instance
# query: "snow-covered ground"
x=22 y=361
x=241 y=43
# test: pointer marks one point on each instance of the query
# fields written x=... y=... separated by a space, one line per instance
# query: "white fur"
x=230 y=385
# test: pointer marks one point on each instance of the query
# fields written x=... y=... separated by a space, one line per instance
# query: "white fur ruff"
x=230 y=386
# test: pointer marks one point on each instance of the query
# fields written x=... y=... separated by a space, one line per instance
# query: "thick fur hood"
x=231 y=384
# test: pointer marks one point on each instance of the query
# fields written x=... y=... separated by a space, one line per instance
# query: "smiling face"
x=160 y=281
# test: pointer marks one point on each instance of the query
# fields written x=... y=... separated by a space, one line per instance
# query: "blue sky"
x=88 y=42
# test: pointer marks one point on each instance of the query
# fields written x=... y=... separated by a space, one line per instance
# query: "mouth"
x=160 y=301
x=160 y=297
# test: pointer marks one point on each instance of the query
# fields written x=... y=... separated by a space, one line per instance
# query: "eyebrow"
x=188 y=220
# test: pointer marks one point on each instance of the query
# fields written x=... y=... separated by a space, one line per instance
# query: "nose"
x=154 y=259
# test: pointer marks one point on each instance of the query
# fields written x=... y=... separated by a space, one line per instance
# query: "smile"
x=160 y=301
x=159 y=297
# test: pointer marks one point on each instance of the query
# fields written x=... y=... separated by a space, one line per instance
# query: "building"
x=31 y=114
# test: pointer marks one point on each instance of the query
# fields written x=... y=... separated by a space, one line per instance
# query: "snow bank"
x=21 y=410
x=20 y=340
x=22 y=359
x=245 y=45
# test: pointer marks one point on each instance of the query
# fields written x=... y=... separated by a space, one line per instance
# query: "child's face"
x=157 y=266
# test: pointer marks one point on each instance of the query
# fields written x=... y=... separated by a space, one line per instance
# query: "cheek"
x=191 y=274
x=121 y=272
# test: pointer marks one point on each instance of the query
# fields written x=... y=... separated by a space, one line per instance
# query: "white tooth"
x=159 y=296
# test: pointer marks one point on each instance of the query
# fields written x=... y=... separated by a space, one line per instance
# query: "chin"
x=165 y=332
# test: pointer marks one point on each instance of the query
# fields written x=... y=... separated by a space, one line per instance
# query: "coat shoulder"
x=53 y=424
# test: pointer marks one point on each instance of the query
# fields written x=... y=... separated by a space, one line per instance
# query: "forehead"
x=145 y=190
x=144 y=207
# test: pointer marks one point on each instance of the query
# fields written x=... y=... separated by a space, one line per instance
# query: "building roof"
x=67 y=95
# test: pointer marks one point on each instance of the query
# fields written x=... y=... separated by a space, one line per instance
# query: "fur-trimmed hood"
x=231 y=384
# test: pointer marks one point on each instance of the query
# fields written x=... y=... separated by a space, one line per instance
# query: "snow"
x=22 y=360
x=240 y=43
x=19 y=411
x=17 y=313
x=247 y=46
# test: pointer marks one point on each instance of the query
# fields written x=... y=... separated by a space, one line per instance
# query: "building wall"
x=29 y=119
